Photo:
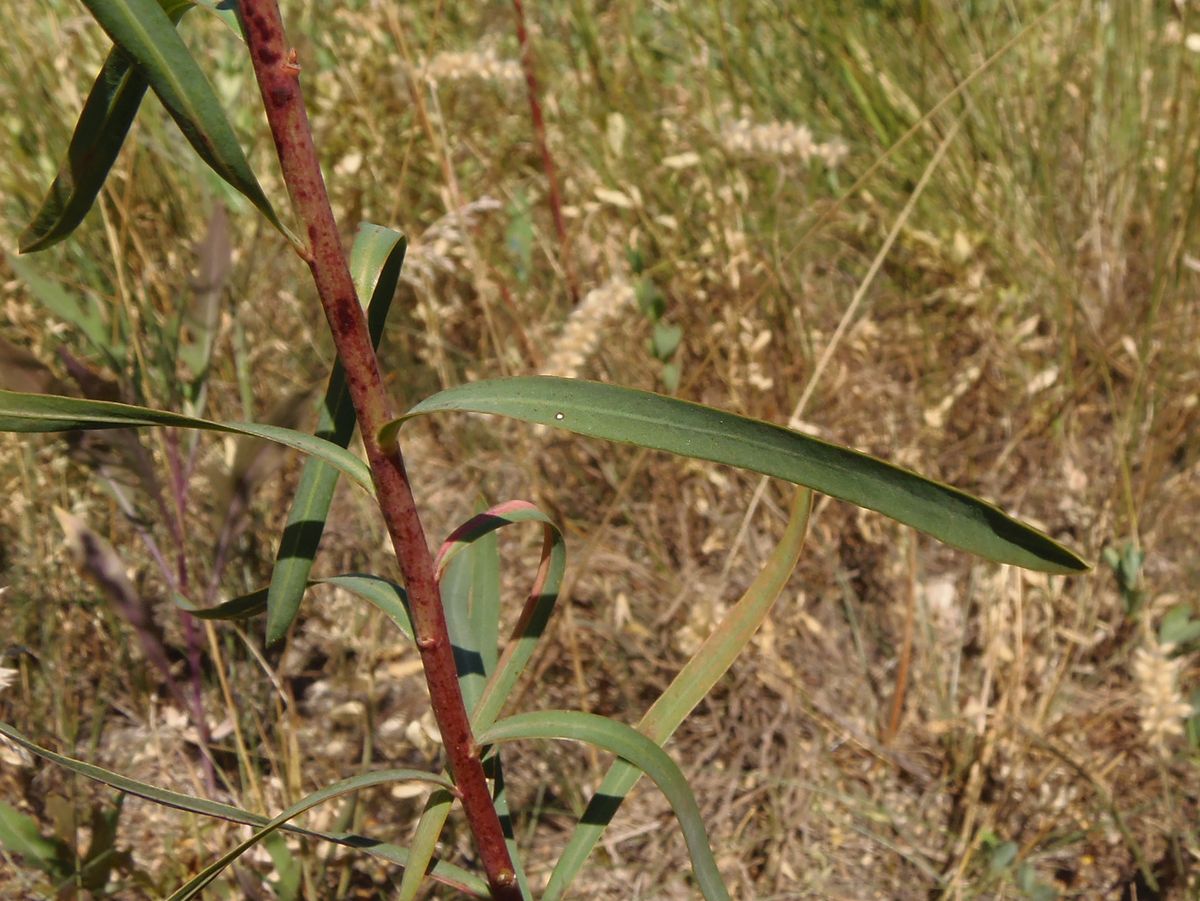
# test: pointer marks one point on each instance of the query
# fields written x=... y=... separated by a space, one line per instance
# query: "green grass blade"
x=692 y=430
x=686 y=690
x=144 y=31
x=344 y=787
x=631 y=745
x=375 y=262
x=448 y=874
x=103 y=124
x=53 y=413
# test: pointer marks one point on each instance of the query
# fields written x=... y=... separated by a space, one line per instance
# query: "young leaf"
x=447 y=874
x=631 y=745
x=53 y=413
x=103 y=124
x=144 y=31
x=692 y=430
x=686 y=690
x=375 y=262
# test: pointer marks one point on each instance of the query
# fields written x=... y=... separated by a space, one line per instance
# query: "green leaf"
x=375 y=262
x=384 y=594
x=145 y=32
x=288 y=874
x=448 y=874
x=505 y=671
x=86 y=317
x=20 y=834
x=1178 y=627
x=680 y=427
x=538 y=606
x=226 y=11
x=665 y=339
x=628 y=743
x=472 y=608
x=53 y=413
x=355 y=783
x=686 y=690
x=103 y=124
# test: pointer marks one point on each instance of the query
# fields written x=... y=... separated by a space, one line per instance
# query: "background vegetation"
x=1030 y=335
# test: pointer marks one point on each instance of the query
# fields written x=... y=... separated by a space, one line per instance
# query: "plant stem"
x=539 y=132
x=278 y=79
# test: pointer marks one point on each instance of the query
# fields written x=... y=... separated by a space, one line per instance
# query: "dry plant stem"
x=539 y=132
x=278 y=79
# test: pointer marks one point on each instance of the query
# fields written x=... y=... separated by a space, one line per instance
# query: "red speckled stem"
x=279 y=82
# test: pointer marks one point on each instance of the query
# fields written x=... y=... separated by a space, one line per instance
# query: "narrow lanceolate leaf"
x=447 y=874
x=144 y=31
x=483 y=622
x=631 y=745
x=107 y=115
x=686 y=690
x=375 y=263
x=355 y=783
x=52 y=413
x=692 y=430
x=384 y=594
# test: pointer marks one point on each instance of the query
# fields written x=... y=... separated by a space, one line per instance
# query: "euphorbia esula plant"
x=449 y=601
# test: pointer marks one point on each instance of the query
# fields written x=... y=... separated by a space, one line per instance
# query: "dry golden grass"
x=1031 y=336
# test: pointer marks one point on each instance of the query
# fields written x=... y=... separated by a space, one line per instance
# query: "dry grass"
x=1031 y=336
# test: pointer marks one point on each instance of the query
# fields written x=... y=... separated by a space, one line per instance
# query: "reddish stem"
x=539 y=132
x=278 y=80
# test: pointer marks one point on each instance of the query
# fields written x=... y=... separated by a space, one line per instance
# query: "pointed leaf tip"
x=691 y=430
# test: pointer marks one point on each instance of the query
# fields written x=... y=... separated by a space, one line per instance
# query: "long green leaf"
x=52 y=413
x=384 y=594
x=692 y=430
x=145 y=32
x=103 y=124
x=628 y=743
x=448 y=874
x=503 y=672
x=464 y=592
x=355 y=783
x=375 y=262
x=686 y=690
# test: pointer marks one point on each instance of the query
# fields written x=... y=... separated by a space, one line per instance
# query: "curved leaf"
x=628 y=743
x=686 y=690
x=145 y=32
x=355 y=783
x=384 y=594
x=53 y=413
x=475 y=635
x=692 y=430
x=448 y=874
x=375 y=262
x=103 y=124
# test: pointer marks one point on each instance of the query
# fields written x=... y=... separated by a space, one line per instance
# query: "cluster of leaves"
x=149 y=55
